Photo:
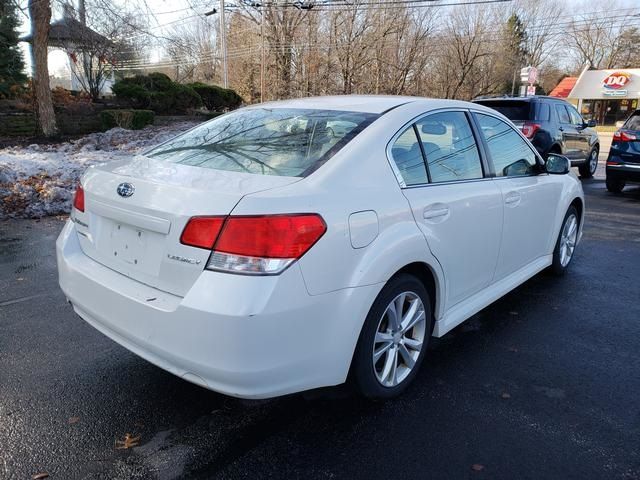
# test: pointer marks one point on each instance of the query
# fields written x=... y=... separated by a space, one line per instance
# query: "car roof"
x=530 y=98
x=363 y=103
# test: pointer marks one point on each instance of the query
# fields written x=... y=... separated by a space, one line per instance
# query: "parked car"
x=553 y=126
x=259 y=260
x=623 y=163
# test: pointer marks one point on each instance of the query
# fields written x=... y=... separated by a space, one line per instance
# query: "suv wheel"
x=394 y=339
x=588 y=168
x=614 y=185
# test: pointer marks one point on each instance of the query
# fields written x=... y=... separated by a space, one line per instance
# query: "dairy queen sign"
x=614 y=84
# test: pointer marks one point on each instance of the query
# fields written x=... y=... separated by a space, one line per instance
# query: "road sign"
x=531 y=90
x=529 y=75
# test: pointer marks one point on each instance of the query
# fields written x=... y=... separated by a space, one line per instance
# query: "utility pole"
x=223 y=46
x=82 y=13
x=262 y=55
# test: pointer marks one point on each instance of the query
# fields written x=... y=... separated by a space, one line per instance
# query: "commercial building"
x=607 y=96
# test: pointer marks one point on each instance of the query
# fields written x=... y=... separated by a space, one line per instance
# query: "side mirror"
x=557 y=164
x=591 y=123
x=517 y=169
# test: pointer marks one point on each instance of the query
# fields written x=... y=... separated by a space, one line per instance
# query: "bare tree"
x=540 y=20
x=40 y=15
x=192 y=47
x=100 y=42
x=595 y=39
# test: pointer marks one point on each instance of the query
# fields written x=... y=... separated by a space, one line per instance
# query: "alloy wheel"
x=399 y=339
x=593 y=161
x=568 y=239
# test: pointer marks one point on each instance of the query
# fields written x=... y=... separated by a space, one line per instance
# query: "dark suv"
x=553 y=126
x=623 y=164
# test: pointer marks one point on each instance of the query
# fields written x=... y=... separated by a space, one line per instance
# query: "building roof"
x=68 y=32
x=563 y=89
x=593 y=84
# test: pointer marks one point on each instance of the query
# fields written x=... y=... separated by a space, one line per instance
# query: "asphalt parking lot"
x=544 y=383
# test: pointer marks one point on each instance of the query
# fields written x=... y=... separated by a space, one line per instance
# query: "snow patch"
x=40 y=180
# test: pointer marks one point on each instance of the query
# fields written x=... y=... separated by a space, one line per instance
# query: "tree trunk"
x=40 y=13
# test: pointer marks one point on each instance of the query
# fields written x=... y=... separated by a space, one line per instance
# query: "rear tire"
x=614 y=185
x=588 y=169
x=566 y=242
x=389 y=352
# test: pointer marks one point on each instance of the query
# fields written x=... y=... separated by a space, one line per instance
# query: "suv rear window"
x=267 y=141
x=633 y=122
x=512 y=109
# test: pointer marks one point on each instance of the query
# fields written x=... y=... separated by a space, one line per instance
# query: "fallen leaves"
x=476 y=467
x=128 y=442
x=40 y=476
x=73 y=420
x=505 y=395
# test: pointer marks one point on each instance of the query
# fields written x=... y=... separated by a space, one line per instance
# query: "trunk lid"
x=139 y=236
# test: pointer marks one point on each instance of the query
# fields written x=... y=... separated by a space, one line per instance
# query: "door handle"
x=512 y=199
x=435 y=211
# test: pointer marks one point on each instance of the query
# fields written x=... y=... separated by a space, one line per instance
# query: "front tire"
x=566 y=243
x=394 y=339
x=588 y=169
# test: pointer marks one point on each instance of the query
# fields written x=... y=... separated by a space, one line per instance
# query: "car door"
x=582 y=133
x=530 y=198
x=456 y=206
x=568 y=130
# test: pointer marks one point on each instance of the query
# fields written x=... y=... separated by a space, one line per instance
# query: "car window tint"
x=266 y=141
x=576 y=119
x=512 y=109
x=450 y=147
x=544 y=112
x=633 y=122
x=408 y=158
x=563 y=115
x=511 y=155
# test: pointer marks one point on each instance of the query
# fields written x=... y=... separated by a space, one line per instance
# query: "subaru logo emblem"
x=125 y=189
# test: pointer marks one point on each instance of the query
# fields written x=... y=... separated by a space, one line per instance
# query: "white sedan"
x=265 y=252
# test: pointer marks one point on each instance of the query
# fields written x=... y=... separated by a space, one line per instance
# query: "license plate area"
x=134 y=248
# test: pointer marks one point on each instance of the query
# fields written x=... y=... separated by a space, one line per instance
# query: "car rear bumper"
x=624 y=171
x=249 y=337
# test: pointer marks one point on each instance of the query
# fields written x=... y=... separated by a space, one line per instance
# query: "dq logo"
x=616 y=80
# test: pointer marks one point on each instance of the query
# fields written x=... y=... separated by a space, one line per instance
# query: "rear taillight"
x=202 y=232
x=265 y=245
x=624 y=136
x=530 y=129
x=78 y=199
x=258 y=245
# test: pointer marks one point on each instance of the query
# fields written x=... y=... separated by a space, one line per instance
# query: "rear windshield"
x=267 y=141
x=512 y=109
x=633 y=122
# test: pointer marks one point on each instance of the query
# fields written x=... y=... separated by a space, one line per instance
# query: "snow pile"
x=40 y=180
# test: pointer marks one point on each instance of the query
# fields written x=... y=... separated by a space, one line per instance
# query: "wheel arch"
x=423 y=272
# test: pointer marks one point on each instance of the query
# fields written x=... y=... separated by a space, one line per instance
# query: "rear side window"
x=266 y=141
x=563 y=114
x=633 y=122
x=408 y=158
x=511 y=155
x=544 y=112
x=450 y=147
x=512 y=109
